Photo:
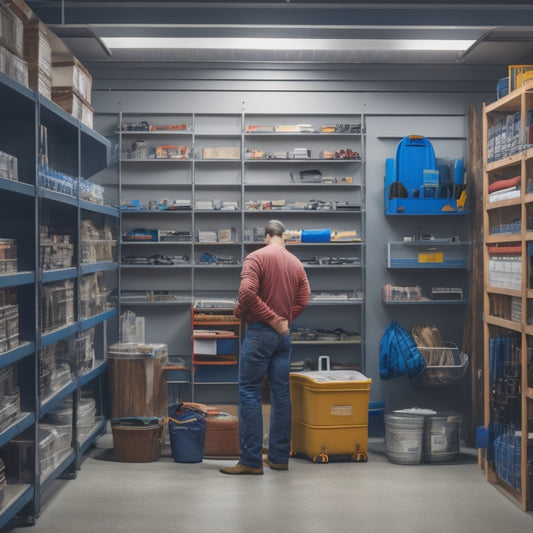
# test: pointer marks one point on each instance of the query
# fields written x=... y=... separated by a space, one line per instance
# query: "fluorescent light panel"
x=285 y=44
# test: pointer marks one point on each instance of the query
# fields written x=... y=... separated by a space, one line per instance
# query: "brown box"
x=74 y=104
x=21 y=10
x=221 y=152
x=73 y=75
x=11 y=31
x=38 y=54
x=13 y=66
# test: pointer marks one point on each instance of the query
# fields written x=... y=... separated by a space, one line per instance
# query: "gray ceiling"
x=503 y=33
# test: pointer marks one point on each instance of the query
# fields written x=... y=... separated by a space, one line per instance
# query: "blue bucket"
x=186 y=427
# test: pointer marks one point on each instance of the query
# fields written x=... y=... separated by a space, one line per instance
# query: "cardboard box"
x=72 y=103
x=229 y=152
x=11 y=31
x=73 y=75
x=38 y=54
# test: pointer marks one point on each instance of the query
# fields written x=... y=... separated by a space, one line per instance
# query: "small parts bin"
x=330 y=413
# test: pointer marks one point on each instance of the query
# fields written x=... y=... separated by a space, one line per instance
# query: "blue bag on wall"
x=398 y=354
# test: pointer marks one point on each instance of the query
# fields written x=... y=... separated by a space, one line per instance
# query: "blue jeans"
x=264 y=351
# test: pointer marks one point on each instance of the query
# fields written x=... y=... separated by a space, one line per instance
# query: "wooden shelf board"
x=503 y=323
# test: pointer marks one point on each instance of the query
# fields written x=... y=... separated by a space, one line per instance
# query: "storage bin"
x=517 y=75
x=329 y=413
x=137 y=381
x=376 y=419
x=336 y=398
x=404 y=438
x=320 y=443
x=221 y=435
x=441 y=437
x=186 y=427
x=137 y=439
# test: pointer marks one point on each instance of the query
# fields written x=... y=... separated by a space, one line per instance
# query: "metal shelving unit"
x=78 y=151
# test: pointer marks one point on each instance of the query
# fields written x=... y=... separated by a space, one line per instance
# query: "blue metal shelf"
x=103 y=266
x=49 y=404
x=26 y=420
x=85 y=130
x=98 y=430
x=16 y=354
x=57 y=112
x=15 y=498
x=316 y=303
x=415 y=264
x=425 y=302
x=97 y=208
x=65 y=463
x=58 y=197
x=17 y=186
x=59 y=274
x=19 y=278
x=92 y=321
x=60 y=334
x=135 y=303
x=18 y=88
x=94 y=373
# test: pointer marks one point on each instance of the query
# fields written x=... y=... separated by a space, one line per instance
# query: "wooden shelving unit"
x=508 y=295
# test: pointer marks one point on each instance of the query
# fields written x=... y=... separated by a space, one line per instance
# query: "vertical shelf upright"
x=508 y=293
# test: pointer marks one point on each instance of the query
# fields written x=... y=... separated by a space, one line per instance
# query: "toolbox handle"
x=322 y=358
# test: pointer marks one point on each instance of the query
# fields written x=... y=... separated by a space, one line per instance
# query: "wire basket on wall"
x=446 y=365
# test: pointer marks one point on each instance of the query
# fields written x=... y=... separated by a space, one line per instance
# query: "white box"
x=205 y=346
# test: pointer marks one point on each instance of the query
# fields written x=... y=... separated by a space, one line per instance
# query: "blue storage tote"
x=186 y=428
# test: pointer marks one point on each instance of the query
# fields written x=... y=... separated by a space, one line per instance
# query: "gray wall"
x=396 y=101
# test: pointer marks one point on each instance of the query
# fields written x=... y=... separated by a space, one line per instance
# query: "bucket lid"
x=136 y=421
x=332 y=376
x=415 y=411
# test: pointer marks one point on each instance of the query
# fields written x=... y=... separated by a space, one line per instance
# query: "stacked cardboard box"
x=38 y=54
x=71 y=89
x=12 y=62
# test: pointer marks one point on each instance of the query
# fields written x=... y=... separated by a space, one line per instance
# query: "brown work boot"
x=275 y=466
x=240 y=470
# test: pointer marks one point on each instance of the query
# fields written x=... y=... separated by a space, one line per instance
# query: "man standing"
x=274 y=291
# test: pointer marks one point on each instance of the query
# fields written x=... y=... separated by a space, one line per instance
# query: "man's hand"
x=281 y=325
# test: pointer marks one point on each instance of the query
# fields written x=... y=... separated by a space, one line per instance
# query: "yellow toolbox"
x=330 y=413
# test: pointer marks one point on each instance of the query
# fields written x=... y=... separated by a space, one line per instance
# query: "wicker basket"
x=222 y=436
x=137 y=444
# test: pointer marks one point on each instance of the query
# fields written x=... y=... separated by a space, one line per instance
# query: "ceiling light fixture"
x=285 y=44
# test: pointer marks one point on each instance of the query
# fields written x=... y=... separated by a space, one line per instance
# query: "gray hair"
x=274 y=228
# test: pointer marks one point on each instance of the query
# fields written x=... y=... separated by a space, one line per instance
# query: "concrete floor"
x=377 y=496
